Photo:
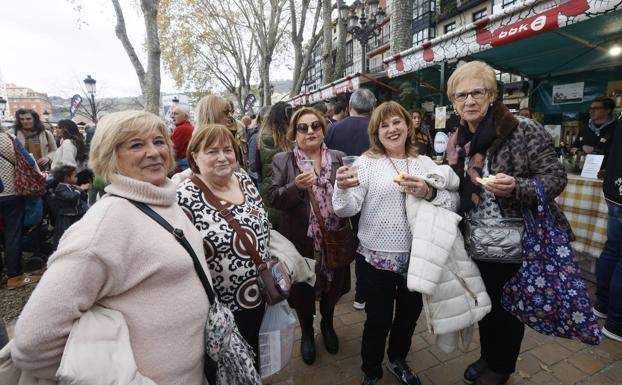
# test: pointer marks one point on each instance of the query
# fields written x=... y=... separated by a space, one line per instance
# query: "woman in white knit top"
x=385 y=236
x=119 y=258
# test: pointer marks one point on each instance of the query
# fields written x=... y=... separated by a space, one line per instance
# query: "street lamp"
x=2 y=107
x=363 y=27
x=90 y=85
x=46 y=115
x=175 y=101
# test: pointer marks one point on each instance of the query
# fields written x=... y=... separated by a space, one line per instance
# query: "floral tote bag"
x=548 y=293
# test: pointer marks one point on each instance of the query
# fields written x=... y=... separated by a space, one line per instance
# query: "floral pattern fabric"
x=395 y=262
x=548 y=293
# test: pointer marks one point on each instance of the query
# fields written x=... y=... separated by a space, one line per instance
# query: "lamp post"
x=3 y=102
x=175 y=101
x=362 y=27
x=46 y=116
x=90 y=85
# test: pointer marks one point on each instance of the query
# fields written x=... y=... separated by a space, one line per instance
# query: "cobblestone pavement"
x=543 y=360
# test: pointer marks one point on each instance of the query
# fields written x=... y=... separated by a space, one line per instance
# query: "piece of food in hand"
x=400 y=178
x=486 y=180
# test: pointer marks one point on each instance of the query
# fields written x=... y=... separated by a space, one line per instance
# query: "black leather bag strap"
x=181 y=238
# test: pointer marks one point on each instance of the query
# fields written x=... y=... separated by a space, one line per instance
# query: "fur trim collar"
x=505 y=124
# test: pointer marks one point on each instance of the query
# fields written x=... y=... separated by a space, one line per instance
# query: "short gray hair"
x=363 y=101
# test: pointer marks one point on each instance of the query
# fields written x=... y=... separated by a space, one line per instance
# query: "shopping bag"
x=548 y=293
x=276 y=338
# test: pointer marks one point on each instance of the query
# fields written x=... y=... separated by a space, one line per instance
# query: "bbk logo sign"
x=534 y=25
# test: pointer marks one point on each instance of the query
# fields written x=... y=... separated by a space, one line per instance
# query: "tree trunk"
x=327 y=42
x=265 y=77
x=149 y=80
x=302 y=57
x=401 y=26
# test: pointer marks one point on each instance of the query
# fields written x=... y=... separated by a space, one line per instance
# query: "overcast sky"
x=43 y=46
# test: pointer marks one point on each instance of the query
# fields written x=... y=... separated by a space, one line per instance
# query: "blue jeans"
x=609 y=273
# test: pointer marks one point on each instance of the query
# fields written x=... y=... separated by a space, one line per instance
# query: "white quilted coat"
x=454 y=295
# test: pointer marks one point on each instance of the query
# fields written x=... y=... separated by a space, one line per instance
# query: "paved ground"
x=543 y=360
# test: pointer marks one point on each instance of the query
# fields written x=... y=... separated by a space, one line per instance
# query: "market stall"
x=584 y=205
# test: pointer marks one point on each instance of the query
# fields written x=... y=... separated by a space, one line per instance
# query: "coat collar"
x=505 y=123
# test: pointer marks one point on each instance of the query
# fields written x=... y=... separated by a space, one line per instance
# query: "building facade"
x=24 y=97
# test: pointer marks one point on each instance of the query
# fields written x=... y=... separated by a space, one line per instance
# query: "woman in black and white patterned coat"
x=212 y=158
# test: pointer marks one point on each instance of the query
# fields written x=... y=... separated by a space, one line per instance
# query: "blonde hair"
x=204 y=137
x=473 y=70
x=118 y=127
x=381 y=113
x=211 y=110
x=291 y=133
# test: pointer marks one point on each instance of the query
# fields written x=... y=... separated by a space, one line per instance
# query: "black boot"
x=331 y=342
x=307 y=340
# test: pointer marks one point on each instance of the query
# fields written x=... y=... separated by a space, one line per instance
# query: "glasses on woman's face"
x=477 y=94
x=228 y=111
x=303 y=128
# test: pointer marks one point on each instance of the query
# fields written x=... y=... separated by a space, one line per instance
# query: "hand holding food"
x=502 y=185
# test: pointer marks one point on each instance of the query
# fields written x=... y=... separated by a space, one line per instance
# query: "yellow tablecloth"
x=584 y=205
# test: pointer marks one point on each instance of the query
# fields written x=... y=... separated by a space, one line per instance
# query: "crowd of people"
x=283 y=170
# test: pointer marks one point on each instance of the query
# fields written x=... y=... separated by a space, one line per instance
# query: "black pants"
x=500 y=333
x=388 y=288
x=249 y=322
x=12 y=212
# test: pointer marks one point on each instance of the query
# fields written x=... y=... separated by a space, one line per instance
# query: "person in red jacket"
x=181 y=135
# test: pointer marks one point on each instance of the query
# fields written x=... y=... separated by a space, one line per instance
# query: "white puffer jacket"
x=454 y=295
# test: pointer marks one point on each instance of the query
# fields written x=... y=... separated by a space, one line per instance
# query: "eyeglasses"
x=303 y=128
x=228 y=111
x=477 y=94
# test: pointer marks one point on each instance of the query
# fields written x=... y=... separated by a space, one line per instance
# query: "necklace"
x=395 y=168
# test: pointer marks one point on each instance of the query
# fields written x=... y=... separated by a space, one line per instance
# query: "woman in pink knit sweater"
x=120 y=259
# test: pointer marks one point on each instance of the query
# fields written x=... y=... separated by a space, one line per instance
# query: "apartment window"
x=507 y=3
x=422 y=7
x=479 y=14
x=349 y=51
x=425 y=34
x=450 y=27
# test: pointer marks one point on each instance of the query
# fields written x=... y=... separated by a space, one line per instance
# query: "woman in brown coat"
x=490 y=141
x=289 y=191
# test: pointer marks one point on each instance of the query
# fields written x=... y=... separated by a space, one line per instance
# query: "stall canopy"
x=537 y=39
x=339 y=87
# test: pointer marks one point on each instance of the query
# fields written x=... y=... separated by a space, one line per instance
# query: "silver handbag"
x=494 y=239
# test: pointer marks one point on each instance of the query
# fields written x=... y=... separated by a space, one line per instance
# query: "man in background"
x=181 y=135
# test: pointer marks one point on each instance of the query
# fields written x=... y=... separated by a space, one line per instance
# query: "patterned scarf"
x=474 y=146
x=323 y=192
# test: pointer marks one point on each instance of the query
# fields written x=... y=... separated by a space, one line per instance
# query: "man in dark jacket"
x=609 y=265
x=596 y=137
x=350 y=136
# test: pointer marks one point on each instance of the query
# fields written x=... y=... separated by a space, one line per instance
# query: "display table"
x=584 y=205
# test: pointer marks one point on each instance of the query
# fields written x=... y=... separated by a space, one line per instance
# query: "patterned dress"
x=232 y=269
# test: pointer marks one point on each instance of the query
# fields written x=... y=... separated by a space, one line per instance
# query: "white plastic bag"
x=276 y=338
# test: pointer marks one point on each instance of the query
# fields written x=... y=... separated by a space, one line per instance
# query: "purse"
x=28 y=182
x=494 y=239
x=229 y=358
x=548 y=293
x=338 y=244
x=273 y=280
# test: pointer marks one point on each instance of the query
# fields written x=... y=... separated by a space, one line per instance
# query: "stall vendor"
x=597 y=136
